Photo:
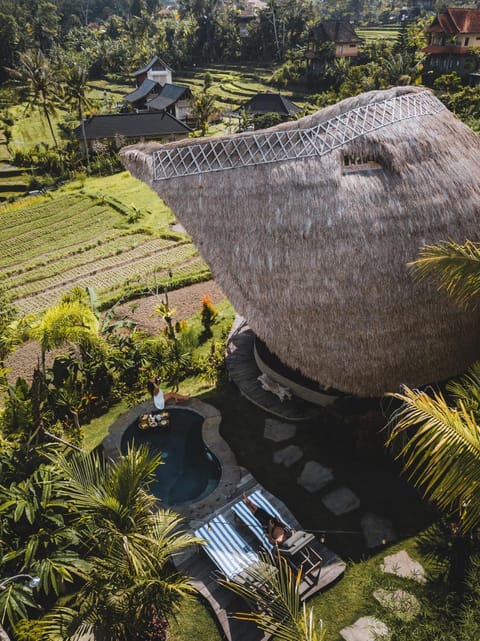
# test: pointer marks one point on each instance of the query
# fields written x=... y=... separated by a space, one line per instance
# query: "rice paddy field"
x=92 y=235
x=374 y=34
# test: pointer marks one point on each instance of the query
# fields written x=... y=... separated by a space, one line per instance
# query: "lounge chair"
x=227 y=549
x=296 y=548
x=245 y=514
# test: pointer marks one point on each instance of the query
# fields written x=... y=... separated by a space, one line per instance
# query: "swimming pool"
x=189 y=471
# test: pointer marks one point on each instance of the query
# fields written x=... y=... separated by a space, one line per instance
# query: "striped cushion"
x=242 y=511
x=226 y=548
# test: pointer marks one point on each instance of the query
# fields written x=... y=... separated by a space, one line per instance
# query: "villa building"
x=451 y=37
x=341 y=34
x=156 y=70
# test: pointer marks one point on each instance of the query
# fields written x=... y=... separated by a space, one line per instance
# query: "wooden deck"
x=222 y=602
x=244 y=372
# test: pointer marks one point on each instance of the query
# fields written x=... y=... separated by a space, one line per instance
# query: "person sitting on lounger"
x=276 y=531
x=159 y=398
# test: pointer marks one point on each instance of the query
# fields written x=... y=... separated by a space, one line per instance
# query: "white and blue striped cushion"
x=247 y=516
x=227 y=549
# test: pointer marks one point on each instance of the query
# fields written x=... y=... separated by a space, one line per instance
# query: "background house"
x=451 y=37
x=121 y=129
x=264 y=103
x=175 y=99
x=156 y=70
x=146 y=91
x=341 y=34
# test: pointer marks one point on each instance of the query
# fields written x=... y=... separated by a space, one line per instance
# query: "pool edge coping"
x=212 y=418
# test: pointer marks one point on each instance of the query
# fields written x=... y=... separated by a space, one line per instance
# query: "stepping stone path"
x=366 y=629
x=314 y=476
x=288 y=456
x=341 y=501
x=404 y=605
x=403 y=565
x=278 y=431
x=376 y=530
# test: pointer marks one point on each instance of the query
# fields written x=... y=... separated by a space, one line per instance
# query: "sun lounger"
x=227 y=549
x=296 y=548
x=245 y=514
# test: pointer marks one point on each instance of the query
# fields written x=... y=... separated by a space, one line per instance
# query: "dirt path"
x=186 y=301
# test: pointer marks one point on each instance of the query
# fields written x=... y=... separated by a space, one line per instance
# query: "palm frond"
x=274 y=592
x=457 y=267
x=442 y=455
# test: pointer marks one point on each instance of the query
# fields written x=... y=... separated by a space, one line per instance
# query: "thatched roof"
x=314 y=254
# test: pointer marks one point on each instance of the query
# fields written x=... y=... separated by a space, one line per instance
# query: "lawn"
x=90 y=233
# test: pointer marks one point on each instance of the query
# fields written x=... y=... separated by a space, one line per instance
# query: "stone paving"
x=404 y=605
x=376 y=530
x=341 y=501
x=402 y=564
x=314 y=476
x=288 y=456
x=366 y=629
x=277 y=431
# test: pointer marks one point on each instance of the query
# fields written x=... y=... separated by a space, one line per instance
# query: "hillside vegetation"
x=91 y=235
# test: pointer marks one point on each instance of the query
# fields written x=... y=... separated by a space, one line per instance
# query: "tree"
x=74 y=77
x=440 y=438
x=65 y=322
x=442 y=456
x=132 y=585
x=204 y=107
x=455 y=266
x=274 y=592
x=36 y=75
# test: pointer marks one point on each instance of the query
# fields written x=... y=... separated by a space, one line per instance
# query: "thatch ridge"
x=315 y=259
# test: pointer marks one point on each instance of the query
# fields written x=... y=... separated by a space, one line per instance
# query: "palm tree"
x=442 y=455
x=74 y=77
x=35 y=74
x=274 y=592
x=456 y=266
x=441 y=439
x=204 y=107
x=132 y=584
x=66 y=322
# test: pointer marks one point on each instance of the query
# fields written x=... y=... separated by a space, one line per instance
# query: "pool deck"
x=233 y=482
x=223 y=602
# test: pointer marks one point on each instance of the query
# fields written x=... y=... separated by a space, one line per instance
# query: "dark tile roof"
x=148 y=125
x=149 y=65
x=264 y=103
x=456 y=20
x=169 y=95
x=142 y=92
x=335 y=31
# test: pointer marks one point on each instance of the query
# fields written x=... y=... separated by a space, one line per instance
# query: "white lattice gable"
x=278 y=146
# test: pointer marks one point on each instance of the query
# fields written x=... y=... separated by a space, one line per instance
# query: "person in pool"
x=276 y=531
x=159 y=398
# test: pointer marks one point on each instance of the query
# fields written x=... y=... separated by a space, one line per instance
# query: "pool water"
x=189 y=471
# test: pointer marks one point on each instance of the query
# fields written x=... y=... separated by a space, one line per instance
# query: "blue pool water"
x=189 y=471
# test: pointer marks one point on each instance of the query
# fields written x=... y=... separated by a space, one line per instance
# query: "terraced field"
x=234 y=85
x=374 y=34
x=76 y=237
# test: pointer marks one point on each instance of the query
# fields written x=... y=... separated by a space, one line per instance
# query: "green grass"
x=4 y=153
x=194 y=623
x=351 y=598
x=84 y=235
x=31 y=128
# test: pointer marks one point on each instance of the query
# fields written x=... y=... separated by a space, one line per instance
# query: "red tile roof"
x=456 y=20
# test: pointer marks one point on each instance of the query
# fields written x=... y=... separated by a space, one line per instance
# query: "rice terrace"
x=84 y=237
